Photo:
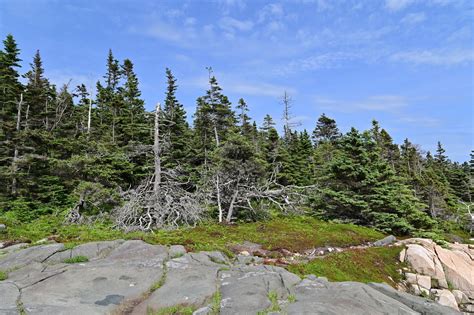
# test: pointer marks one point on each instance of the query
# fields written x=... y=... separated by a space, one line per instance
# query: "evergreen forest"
x=99 y=156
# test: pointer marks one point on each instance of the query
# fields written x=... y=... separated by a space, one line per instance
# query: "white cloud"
x=397 y=5
x=240 y=86
x=414 y=18
x=230 y=24
x=270 y=12
x=382 y=103
x=441 y=58
x=164 y=31
x=420 y=121
x=322 y=61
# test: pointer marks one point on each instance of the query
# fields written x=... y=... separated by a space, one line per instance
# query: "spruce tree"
x=326 y=130
x=132 y=116
x=243 y=118
x=176 y=130
x=362 y=188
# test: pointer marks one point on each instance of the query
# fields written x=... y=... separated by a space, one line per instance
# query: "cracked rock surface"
x=133 y=277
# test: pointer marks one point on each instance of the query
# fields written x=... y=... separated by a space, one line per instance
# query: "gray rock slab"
x=93 y=250
x=137 y=253
x=177 y=251
x=29 y=255
x=12 y=248
x=421 y=305
x=245 y=289
x=190 y=280
x=89 y=288
x=9 y=294
x=317 y=297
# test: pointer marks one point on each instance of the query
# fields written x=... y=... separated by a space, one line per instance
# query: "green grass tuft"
x=76 y=259
x=3 y=275
x=376 y=264
x=174 y=310
x=215 y=303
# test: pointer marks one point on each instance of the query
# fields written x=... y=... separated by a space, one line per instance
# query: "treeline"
x=63 y=148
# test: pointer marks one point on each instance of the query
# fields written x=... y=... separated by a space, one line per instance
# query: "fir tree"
x=175 y=127
x=326 y=130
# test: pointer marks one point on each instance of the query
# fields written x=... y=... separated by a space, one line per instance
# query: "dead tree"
x=157 y=151
x=160 y=201
x=288 y=119
x=15 y=153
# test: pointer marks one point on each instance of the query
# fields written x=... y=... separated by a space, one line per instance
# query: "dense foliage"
x=64 y=148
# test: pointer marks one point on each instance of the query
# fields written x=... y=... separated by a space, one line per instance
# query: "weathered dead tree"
x=239 y=191
x=169 y=207
x=160 y=201
x=14 y=165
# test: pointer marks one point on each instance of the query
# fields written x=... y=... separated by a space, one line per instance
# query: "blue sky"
x=407 y=63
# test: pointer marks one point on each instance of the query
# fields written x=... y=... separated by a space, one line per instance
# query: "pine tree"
x=213 y=119
x=132 y=118
x=363 y=188
x=11 y=102
x=109 y=100
x=175 y=127
x=10 y=86
x=326 y=130
x=243 y=118
x=39 y=97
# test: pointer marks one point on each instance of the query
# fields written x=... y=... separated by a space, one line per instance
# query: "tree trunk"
x=218 y=188
x=156 y=150
x=15 y=154
x=89 y=116
x=231 y=207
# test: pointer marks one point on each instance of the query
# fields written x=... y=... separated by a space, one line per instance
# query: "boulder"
x=424 y=281
x=385 y=241
x=425 y=262
x=418 y=304
x=445 y=297
x=459 y=270
x=461 y=297
x=3 y=227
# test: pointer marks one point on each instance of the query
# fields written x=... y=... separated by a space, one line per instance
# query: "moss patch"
x=376 y=264
x=3 y=275
x=292 y=233
x=76 y=259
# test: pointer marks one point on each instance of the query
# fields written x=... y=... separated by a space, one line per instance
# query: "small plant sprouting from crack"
x=162 y=279
x=274 y=307
x=20 y=308
x=177 y=255
x=215 y=303
x=76 y=259
x=3 y=275
x=291 y=298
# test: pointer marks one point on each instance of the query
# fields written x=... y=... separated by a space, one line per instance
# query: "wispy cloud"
x=382 y=103
x=241 y=86
x=397 y=5
x=230 y=24
x=322 y=61
x=420 y=121
x=430 y=57
x=414 y=18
